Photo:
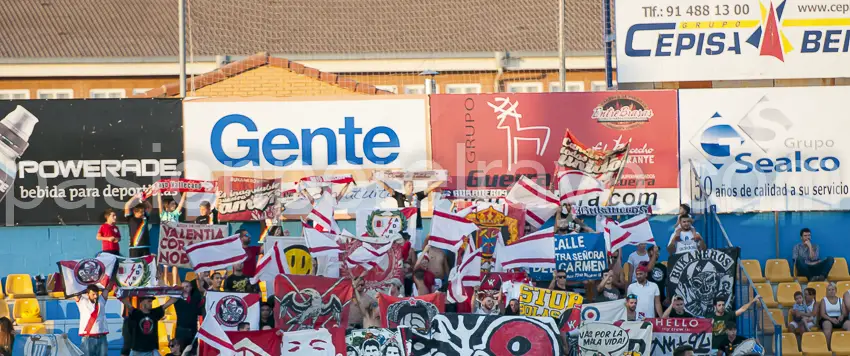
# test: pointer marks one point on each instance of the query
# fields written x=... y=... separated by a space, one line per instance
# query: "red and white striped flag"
x=448 y=230
x=540 y=204
x=533 y=250
x=324 y=181
x=575 y=186
x=216 y=254
x=272 y=264
x=633 y=231
x=369 y=257
x=323 y=214
x=212 y=334
x=466 y=274
x=319 y=244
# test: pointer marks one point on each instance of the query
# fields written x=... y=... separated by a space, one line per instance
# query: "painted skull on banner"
x=487 y=335
x=89 y=271
x=701 y=276
x=230 y=311
x=414 y=313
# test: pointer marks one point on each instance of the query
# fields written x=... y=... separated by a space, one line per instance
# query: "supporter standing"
x=239 y=282
x=249 y=266
x=424 y=281
x=7 y=336
x=684 y=350
x=210 y=281
x=641 y=255
x=807 y=259
x=188 y=310
x=648 y=295
x=606 y=290
x=171 y=211
x=93 y=328
x=685 y=238
x=368 y=307
x=658 y=274
x=137 y=222
x=143 y=322
x=559 y=281
x=631 y=307
x=485 y=305
x=409 y=198
x=731 y=341
x=721 y=317
x=677 y=309
x=208 y=216
x=108 y=234
x=512 y=308
x=833 y=314
x=266 y=310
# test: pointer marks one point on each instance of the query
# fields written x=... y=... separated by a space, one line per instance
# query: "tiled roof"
x=148 y=28
x=253 y=62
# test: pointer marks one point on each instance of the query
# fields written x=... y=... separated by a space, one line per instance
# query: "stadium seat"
x=33 y=329
x=789 y=345
x=814 y=344
x=839 y=270
x=170 y=312
x=753 y=268
x=785 y=293
x=4 y=309
x=627 y=273
x=190 y=276
x=778 y=271
x=840 y=343
x=263 y=291
x=766 y=293
x=820 y=289
x=767 y=325
x=163 y=339
x=19 y=286
x=27 y=311
x=800 y=279
x=842 y=287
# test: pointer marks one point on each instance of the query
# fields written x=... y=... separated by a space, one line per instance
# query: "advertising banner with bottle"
x=66 y=161
x=767 y=149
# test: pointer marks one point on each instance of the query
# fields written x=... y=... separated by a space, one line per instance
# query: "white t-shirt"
x=646 y=299
x=686 y=242
x=86 y=307
x=635 y=259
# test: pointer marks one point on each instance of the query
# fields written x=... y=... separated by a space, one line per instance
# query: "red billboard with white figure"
x=487 y=141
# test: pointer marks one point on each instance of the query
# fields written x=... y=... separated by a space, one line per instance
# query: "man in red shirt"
x=108 y=234
x=249 y=267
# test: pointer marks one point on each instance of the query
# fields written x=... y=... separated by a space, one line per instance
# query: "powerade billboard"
x=689 y=40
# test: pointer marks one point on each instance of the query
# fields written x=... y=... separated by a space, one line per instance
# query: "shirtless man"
x=437 y=264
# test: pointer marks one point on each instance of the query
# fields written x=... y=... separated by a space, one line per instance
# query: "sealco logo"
x=622 y=113
x=766 y=127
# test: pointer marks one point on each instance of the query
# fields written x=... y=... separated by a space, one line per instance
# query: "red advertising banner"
x=247 y=199
x=487 y=141
x=313 y=302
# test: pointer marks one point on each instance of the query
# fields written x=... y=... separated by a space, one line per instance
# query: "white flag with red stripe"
x=448 y=230
x=212 y=334
x=633 y=231
x=575 y=186
x=320 y=244
x=466 y=274
x=532 y=250
x=369 y=257
x=324 y=181
x=540 y=203
x=272 y=264
x=216 y=254
x=323 y=214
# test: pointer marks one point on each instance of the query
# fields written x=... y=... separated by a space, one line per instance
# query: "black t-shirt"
x=134 y=224
x=188 y=311
x=269 y=322
x=729 y=346
x=718 y=327
x=240 y=284
x=658 y=275
x=401 y=201
x=144 y=329
x=685 y=314
x=205 y=219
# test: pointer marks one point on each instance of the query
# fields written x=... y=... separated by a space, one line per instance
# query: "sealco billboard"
x=487 y=141
x=688 y=40
x=768 y=149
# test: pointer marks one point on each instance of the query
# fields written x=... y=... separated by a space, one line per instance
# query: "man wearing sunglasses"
x=631 y=307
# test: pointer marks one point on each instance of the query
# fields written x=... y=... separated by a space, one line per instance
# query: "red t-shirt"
x=405 y=250
x=428 y=278
x=107 y=230
x=249 y=267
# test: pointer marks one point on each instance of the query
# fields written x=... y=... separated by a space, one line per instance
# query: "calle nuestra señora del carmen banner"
x=487 y=141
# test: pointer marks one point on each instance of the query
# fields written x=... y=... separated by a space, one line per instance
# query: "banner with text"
x=487 y=141
x=759 y=149
x=534 y=301
x=583 y=256
x=689 y=40
x=618 y=338
x=701 y=276
x=174 y=237
x=247 y=199
x=72 y=159
x=670 y=333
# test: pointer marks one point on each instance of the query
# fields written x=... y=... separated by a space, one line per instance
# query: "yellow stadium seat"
x=264 y=291
x=27 y=311
x=839 y=270
x=4 y=309
x=163 y=339
x=766 y=293
x=190 y=276
x=767 y=325
x=19 y=286
x=753 y=268
x=627 y=273
x=840 y=343
x=842 y=287
x=789 y=345
x=33 y=329
x=785 y=293
x=820 y=289
x=778 y=271
x=170 y=312
x=814 y=344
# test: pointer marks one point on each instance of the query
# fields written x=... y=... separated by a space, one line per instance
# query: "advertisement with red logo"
x=486 y=142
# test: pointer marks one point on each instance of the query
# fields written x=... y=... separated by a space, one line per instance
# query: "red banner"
x=247 y=199
x=376 y=279
x=265 y=342
x=416 y=312
x=487 y=141
x=313 y=302
x=180 y=185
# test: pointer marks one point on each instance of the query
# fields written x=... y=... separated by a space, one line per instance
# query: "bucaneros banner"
x=247 y=199
x=174 y=237
x=759 y=149
x=295 y=138
x=701 y=276
x=670 y=333
x=313 y=302
x=487 y=141
x=66 y=161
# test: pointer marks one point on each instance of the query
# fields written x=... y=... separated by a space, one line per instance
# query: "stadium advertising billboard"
x=689 y=40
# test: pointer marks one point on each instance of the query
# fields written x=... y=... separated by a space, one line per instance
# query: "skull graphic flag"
x=313 y=302
x=700 y=276
x=231 y=309
x=77 y=275
x=415 y=312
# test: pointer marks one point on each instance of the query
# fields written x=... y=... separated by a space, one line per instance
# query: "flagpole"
x=619 y=173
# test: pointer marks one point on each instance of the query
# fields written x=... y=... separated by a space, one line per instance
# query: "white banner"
x=688 y=40
x=767 y=149
x=292 y=139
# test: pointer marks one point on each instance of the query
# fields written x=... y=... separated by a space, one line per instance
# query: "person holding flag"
x=137 y=222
